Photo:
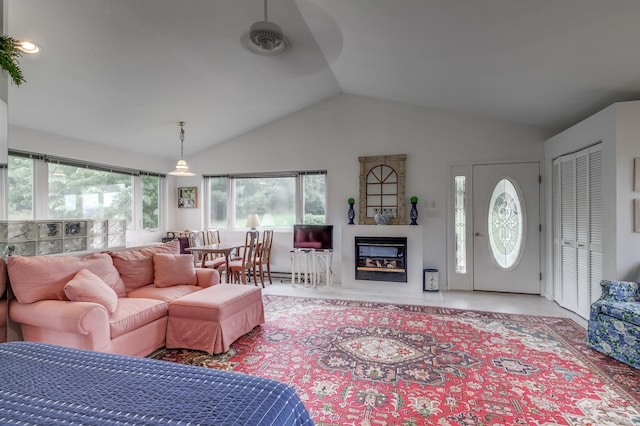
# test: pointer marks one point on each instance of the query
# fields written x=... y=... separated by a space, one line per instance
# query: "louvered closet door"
x=582 y=231
x=578 y=219
x=568 y=254
x=557 y=222
x=596 y=214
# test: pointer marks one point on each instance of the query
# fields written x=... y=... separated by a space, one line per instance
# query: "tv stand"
x=318 y=260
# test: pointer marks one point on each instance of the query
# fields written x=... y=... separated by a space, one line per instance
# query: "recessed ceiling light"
x=28 y=47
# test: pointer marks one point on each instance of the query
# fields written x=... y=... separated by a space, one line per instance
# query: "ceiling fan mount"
x=266 y=38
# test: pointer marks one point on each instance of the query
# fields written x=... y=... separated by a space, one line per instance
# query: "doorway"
x=506 y=228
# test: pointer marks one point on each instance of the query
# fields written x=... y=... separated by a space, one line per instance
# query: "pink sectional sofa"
x=114 y=302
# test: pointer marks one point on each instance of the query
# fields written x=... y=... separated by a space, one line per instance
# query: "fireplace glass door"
x=381 y=259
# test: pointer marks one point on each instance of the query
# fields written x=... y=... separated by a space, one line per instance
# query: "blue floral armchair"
x=614 y=322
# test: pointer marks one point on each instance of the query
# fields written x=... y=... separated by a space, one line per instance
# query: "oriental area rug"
x=362 y=363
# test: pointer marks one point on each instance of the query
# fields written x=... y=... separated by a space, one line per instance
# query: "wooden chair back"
x=203 y=238
x=251 y=240
x=211 y=236
x=263 y=256
x=241 y=268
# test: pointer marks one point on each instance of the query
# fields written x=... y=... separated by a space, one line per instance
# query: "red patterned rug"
x=362 y=363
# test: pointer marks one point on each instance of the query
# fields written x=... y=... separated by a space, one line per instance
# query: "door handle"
x=477 y=234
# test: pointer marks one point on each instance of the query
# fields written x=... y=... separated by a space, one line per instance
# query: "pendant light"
x=181 y=168
x=58 y=172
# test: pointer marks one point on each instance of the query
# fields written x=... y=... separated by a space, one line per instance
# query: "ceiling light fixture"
x=28 y=47
x=265 y=38
x=181 y=168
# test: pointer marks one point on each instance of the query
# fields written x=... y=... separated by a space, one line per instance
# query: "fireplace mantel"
x=414 y=236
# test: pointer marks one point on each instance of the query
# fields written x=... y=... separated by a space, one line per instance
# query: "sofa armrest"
x=620 y=291
x=207 y=277
x=70 y=317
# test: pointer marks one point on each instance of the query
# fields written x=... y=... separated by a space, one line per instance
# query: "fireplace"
x=381 y=259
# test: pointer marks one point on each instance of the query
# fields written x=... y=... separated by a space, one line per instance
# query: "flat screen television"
x=318 y=237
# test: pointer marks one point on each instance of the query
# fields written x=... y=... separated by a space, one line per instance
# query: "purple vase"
x=351 y=214
x=413 y=214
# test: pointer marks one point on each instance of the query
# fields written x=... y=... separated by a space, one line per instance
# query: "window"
x=505 y=224
x=150 y=202
x=280 y=200
x=80 y=190
x=93 y=194
x=460 y=221
x=314 y=189
x=218 y=202
x=20 y=198
x=273 y=199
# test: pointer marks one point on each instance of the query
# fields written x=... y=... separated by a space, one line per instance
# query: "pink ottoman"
x=212 y=319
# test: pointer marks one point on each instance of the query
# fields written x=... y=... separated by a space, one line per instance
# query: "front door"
x=506 y=227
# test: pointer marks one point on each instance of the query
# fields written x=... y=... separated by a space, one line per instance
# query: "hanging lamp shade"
x=58 y=172
x=181 y=167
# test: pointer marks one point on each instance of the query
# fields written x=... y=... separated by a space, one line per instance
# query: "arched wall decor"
x=382 y=189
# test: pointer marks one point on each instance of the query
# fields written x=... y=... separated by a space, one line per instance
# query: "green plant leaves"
x=9 y=54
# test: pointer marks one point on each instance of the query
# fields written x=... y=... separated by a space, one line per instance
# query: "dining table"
x=224 y=249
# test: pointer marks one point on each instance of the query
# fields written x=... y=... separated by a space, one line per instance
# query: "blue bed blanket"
x=43 y=384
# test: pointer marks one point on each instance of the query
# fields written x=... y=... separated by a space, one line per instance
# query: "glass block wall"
x=43 y=237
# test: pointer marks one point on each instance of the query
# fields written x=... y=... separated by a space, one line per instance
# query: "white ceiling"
x=124 y=72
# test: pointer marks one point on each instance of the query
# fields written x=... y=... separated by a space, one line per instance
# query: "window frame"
x=40 y=188
x=369 y=163
x=458 y=280
x=299 y=201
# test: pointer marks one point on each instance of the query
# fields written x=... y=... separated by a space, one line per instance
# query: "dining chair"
x=203 y=238
x=212 y=236
x=241 y=268
x=196 y=239
x=263 y=256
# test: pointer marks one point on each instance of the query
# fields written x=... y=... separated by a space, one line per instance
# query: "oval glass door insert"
x=505 y=224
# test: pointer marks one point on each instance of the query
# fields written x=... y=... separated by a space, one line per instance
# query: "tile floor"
x=483 y=301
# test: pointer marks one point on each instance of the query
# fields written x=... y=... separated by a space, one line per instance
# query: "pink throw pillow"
x=136 y=266
x=88 y=287
x=174 y=269
x=35 y=278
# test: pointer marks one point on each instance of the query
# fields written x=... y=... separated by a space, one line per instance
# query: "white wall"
x=617 y=127
x=627 y=148
x=332 y=135
x=31 y=140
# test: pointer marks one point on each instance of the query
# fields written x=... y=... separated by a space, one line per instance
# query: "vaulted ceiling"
x=124 y=72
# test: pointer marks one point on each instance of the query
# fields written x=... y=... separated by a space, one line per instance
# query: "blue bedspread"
x=52 y=385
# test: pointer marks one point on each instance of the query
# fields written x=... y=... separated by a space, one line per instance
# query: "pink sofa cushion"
x=217 y=303
x=166 y=294
x=136 y=266
x=35 y=278
x=88 y=287
x=174 y=269
x=133 y=313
